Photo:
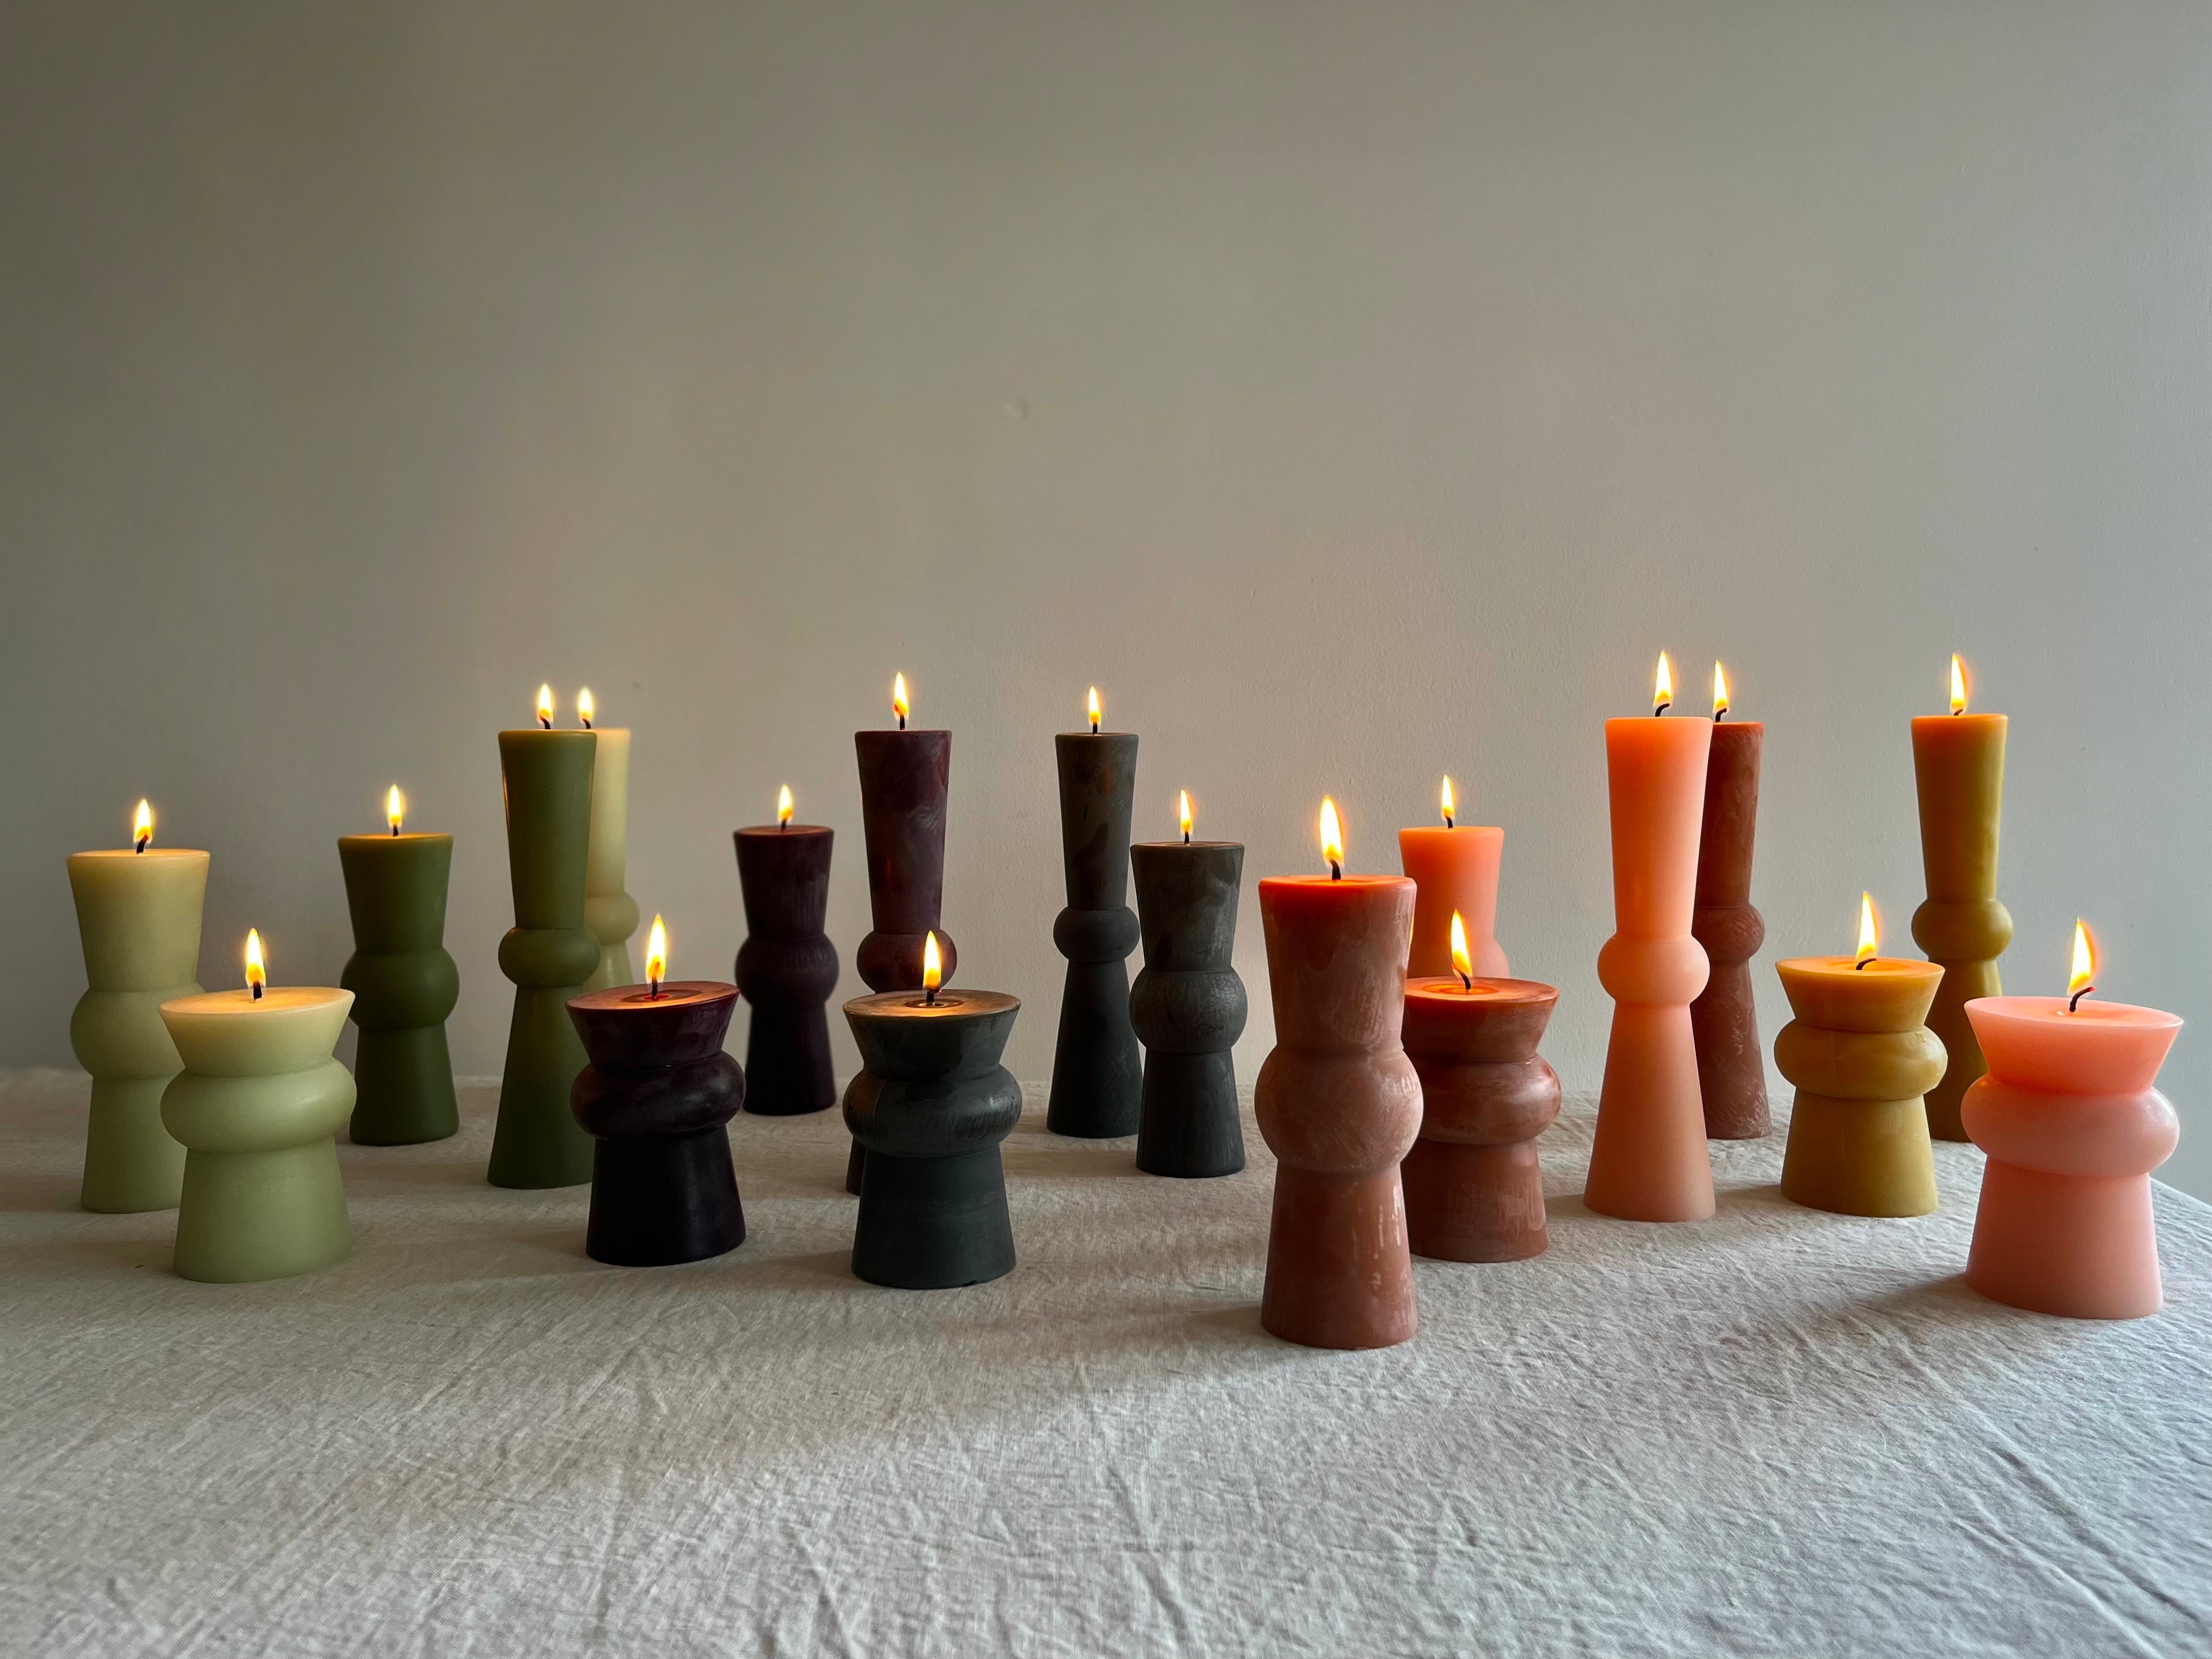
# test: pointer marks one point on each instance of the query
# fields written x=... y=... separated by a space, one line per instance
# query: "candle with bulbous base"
x=1724 y=1019
x=1098 y=1070
x=404 y=985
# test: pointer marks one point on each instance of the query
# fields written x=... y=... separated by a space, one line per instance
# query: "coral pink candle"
x=2073 y=1128
x=1648 y=1160
x=1454 y=867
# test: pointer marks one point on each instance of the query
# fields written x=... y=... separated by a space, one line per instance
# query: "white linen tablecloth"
x=1775 y=1433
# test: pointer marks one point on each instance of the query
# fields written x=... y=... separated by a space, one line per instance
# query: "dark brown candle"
x=1723 y=1020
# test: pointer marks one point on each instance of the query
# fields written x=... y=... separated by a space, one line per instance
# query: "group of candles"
x=1402 y=1098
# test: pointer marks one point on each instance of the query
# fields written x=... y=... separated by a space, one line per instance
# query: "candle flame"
x=933 y=964
x=783 y=805
x=1462 y=960
x=900 y=706
x=1662 y=687
x=1332 y=837
x=395 y=808
x=585 y=708
x=1451 y=801
x=1720 y=692
x=2083 y=977
x=257 y=967
x=1094 y=711
x=656 y=955
x=1869 y=931
x=545 y=706
x=1957 y=685
x=142 y=826
x=1183 y=810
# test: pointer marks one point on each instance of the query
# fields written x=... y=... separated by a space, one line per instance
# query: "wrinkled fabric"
x=1775 y=1433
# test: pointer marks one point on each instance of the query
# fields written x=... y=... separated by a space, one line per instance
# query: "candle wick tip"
x=1860 y=964
x=2073 y=1001
x=1466 y=982
x=1335 y=870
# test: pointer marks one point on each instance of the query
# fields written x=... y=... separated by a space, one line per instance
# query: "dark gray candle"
x=1187 y=1005
x=1098 y=1069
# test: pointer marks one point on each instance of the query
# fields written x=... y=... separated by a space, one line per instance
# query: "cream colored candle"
x=608 y=911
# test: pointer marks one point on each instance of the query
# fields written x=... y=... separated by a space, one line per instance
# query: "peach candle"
x=1454 y=867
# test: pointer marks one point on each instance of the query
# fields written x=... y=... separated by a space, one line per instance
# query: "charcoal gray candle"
x=1097 y=1071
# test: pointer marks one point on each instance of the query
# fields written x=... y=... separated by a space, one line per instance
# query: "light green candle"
x=608 y=912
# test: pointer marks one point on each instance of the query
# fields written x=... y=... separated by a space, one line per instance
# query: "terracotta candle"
x=1723 y=1020
x=1473 y=1192
x=905 y=777
x=1958 y=763
x=2073 y=1128
x=1454 y=867
x=258 y=1107
x=1861 y=1056
x=1187 y=1004
x=403 y=982
x=1339 y=1103
x=138 y=918
x=548 y=954
x=1647 y=1158
x=658 y=1098
x=786 y=967
x=608 y=912
x=1098 y=1070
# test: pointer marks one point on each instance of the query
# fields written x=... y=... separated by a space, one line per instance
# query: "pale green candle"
x=608 y=912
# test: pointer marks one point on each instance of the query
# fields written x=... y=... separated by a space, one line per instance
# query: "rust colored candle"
x=1723 y=1020
x=1339 y=1103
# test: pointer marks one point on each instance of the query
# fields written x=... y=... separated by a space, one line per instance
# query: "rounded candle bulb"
x=395 y=808
x=932 y=968
x=900 y=705
x=656 y=957
x=1663 y=686
x=545 y=706
x=783 y=807
x=1720 y=693
x=1182 y=813
x=142 y=827
x=1450 y=802
x=586 y=709
x=1332 y=838
x=1094 y=711
x=1957 y=685
x=1463 y=961
x=257 y=967
x=1869 y=932
x=2082 y=979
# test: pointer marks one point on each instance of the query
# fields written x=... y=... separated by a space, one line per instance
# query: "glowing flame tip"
x=1957 y=685
x=1462 y=960
x=1332 y=835
x=545 y=706
x=586 y=709
x=395 y=808
x=1869 y=932
x=1451 y=801
x=1183 y=810
x=933 y=964
x=1663 y=685
x=783 y=805
x=142 y=826
x=900 y=705
x=1093 y=710
x=656 y=953
x=2083 y=977
x=1720 y=692
x=256 y=965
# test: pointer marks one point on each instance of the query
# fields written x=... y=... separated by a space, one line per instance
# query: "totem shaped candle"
x=1861 y=1056
x=931 y=1106
x=258 y=1107
x=1098 y=1070
x=1189 y=1004
x=138 y=917
x=786 y=967
x=608 y=912
x=403 y=982
x=1647 y=1158
x=1958 y=763
x=1340 y=1104
x=2073 y=1128
x=548 y=954
x=1723 y=1020
x=1454 y=867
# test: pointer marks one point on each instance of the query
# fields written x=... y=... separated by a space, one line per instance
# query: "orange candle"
x=1454 y=867
x=1648 y=1160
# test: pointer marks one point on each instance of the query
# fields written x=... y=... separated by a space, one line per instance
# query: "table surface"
x=1775 y=1432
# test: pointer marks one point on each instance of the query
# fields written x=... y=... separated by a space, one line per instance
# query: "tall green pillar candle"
x=548 y=954
x=608 y=912
x=138 y=916
x=404 y=985
x=256 y=1107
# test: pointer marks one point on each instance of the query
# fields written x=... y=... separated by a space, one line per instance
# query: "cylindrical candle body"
x=1861 y=1057
x=1454 y=869
x=549 y=955
x=1957 y=764
x=787 y=968
x=608 y=912
x=403 y=986
x=138 y=917
x=1648 y=1157
x=1724 y=1020
x=1473 y=1191
x=1340 y=1105
x=1187 y=1005
x=931 y=1106
x=2073 y=1127
x=1098 y=1070
x=658 y=1098
x=256 y=1107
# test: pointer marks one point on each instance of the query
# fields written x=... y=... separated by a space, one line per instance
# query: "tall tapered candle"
x=1098 y=1070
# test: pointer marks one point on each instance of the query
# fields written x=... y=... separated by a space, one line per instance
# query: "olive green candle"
x=404 y=985
x=548 y=954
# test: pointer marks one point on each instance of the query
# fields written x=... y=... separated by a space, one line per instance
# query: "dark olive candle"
x=403 y=984
x=657 y=1097
x=1723 y=1020
x=1098 y=1070
x=1189 y=1005
x=787 y=968
x=548 y=954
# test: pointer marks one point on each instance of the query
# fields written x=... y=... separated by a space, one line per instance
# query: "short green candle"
x=608 y=912
x=548 y=954
x=138 y=915
x=257 y=1108
x=404 y=985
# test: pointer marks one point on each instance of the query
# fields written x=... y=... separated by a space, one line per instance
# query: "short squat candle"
x=608 y=912
x=1861 y=1056
x=658 y=1098
x=1958 y=765
x=1648 y=1157
x=1098 y=1070
x=786 y=967
x=138 y=917
x=1187 y=1004
x=403 y=983
x=258 y=1106
x=1454 y=869
x=1340 y=1104
x=2073 y=1127
x=1723 y=1020
x=931 y=1105
x=1474 y=1190
x=548 y=954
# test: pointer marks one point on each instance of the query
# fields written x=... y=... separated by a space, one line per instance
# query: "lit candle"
x=1724 y=1020
x=1454 y=868
x=786 y=967
x=608 y=911
x=1098 y=1070
x=404 y=985
x=2073 y=1127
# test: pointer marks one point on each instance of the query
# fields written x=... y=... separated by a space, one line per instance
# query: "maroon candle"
x=1723 y=1021
x=787 y=968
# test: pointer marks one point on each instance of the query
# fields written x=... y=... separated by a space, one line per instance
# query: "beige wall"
x=1354 y=393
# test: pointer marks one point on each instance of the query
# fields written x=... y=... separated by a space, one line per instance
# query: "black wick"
x=1861 y=963
x=929 y=996
x=395 y=829
x=2077 y=997
x=257 y=993
x=587 y=726
x=1335 y=870
x=1466 y=982
x=545 y=722
x=142 y=840
x=1448 y=824
x=1662 y=708
x=902 y=722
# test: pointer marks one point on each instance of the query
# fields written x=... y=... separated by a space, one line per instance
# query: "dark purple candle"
x=787 y=968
